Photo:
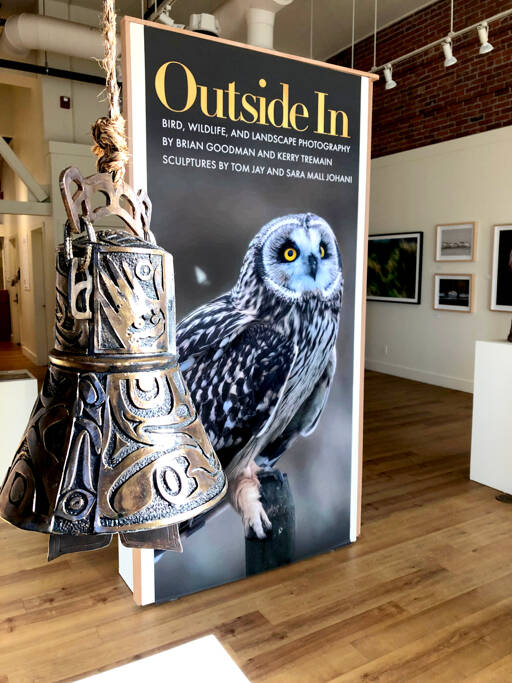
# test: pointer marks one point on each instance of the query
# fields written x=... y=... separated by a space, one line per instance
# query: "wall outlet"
x=386 y=349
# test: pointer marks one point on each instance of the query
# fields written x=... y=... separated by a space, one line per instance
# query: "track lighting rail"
x=451 y=35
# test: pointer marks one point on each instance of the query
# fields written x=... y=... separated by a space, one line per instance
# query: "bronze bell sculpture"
x=114 y=443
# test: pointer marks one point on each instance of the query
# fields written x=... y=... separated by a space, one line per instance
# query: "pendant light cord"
x=311 y=18
x=353 y=31
x=375 y=37
x=109 y=132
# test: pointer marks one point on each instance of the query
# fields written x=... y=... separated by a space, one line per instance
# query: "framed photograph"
x=456 y=242
x=394 y=267
x=501 y=292
x=453 y=293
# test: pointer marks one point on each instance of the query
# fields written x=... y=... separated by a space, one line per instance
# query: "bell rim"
x=176 y=519
x=128 y=528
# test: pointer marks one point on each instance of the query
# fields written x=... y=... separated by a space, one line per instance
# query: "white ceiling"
x=332 y=19
x=332 y=23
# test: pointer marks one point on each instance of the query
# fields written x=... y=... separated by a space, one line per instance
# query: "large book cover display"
x=256 y=165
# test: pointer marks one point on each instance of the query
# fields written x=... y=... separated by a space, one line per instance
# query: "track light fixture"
x=449 y=59
x=483 y=35
x=446 y=43
x=388 y=77
x=165 y=18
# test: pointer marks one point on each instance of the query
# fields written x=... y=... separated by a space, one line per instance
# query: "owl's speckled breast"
x=313 y=326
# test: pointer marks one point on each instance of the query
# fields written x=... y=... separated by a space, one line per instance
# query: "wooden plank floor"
x=12 y=358
x=424 y=595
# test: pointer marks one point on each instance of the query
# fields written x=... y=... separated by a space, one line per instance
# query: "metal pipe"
x=249 y=21
x=397 y=60
x=25 y=32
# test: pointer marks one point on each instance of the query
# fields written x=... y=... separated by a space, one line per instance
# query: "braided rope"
x=109 y=132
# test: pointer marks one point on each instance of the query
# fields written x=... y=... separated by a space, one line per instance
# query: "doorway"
x=38 y=295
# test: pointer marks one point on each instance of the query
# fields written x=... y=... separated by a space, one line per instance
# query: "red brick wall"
x=432 y=103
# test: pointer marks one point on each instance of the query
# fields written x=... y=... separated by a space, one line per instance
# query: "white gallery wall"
x=88 y=101
x=468 y=179
x=46 y=138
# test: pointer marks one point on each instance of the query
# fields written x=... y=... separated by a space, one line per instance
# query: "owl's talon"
x=245 y=496
x=256 y=522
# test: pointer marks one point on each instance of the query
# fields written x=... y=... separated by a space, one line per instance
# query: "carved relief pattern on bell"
x=71 y=333
x=123 y=466
x=156 y=454
x=30 y=489
x=130 y=306
x=114 y=443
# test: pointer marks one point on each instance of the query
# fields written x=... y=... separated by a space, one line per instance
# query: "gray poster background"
x=206 y=219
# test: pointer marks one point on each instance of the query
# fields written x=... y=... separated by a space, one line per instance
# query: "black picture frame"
x=382 y=285
x=454 y=292
x=501 y=295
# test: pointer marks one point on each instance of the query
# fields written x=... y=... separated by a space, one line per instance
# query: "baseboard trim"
x=29 y=354
x=447 y=381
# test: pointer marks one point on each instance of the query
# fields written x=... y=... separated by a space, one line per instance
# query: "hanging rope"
x=109 y=132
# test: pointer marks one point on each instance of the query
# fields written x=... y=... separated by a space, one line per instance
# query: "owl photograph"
x=259 y=360
x=268 y=245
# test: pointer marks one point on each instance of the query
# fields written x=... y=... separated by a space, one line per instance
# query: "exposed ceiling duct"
x=26 y=32
x=250 y=21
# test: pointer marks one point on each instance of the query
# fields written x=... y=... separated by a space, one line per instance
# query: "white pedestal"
x=491 y=444
x=18 y=393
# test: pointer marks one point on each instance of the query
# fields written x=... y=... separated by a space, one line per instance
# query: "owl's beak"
x=313 y=265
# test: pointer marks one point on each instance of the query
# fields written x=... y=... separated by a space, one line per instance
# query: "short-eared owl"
x=260 y=359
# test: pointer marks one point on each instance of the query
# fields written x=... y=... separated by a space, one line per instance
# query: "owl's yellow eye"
x=322 y=252
x=290 y=254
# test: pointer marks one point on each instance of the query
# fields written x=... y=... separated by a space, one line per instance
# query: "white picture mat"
x=443 y=307
x=498 y=229
x=457 y=227
x=399 y=235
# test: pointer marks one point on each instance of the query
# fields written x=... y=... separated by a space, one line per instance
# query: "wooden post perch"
x=279 y=546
